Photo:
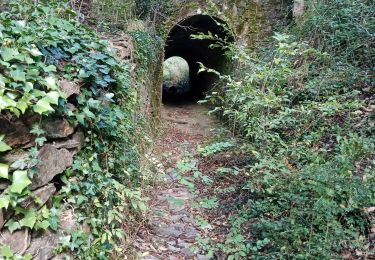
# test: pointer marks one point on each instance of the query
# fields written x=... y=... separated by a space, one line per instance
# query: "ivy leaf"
x=4 y=170
x=50 y=68
x=53 y=97
x=35 y=52
x=45 y=212
x=29 y=219
x=3 y=146
x=2 y=81
x=50 y=83
x=9 y=53
x=18 y=75
x=4 y=202
x=43 y=106
x=22 y=105
x=6 y=102
x=20 y=181
x=6 y=252
x=40 y=141
x=29 y=60
x=12 y=225
x=42 y=225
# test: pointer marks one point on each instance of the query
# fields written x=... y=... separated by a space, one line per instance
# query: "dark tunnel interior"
x=180 y=43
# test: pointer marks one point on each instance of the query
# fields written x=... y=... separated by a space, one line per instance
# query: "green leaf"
x=6 y=102
x=4 y=201
x=45 y=212
x=3 y=146
x=42 y=225
x=35 y=52
x=20 y=181
x=29 y=219
x=9 y=53
x=50 y=68
x=43 y=106
x=22 y=105
x=3 y=80
x=6 y=252
x=40 y=141
x=4 y=170
x=53 y=97
x=29 y=60
x=13 y=225
x=50 y=83
x=18 y=75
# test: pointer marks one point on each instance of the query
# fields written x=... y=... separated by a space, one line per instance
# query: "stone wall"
x=63 y=141
x=250 y=20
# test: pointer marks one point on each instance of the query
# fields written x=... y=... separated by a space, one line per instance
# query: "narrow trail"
x=172 y=230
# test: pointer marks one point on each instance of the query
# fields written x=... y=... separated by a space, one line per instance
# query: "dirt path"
x=172 y=230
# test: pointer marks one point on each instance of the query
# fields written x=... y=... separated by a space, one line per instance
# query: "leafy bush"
x=305 y=104
x=41 y=44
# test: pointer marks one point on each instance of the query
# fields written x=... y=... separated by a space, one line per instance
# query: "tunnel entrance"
x=194 y=51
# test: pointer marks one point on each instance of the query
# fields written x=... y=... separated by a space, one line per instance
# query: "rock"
x=4 y=184
x=174 y=230
x=69 y=88
x=183 y=244
x=202 y=257
x=75 y=142
x=67 y=220
x=63 y=256
x=173 y=249
x=71 y=107
x=191 y=232
x=369 y=210
x=57 y=128
x=41 y=195
x=187 y=252
x=150 y=257
x=18 y=241
x=298 y=8
x=189 y=220
x=53 y=162
x=16 y=132
x=2 y=218
x=17 y=160
x=42 y=247
x=15 y=155
x=176 y=74
x=123 y=46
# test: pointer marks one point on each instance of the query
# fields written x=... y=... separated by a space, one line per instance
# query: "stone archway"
x=180 y=43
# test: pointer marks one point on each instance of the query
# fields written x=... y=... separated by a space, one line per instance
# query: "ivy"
x=42 y=44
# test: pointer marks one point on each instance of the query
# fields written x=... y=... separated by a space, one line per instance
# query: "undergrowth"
x=305 y=104
x=41 y=44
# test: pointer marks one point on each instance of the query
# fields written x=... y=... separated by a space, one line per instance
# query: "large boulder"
x=176 y=75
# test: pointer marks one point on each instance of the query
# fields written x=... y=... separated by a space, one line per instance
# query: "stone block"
x=18 y=241
x=57 y=128
x=53 y=162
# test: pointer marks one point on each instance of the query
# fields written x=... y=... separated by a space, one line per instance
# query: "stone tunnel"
x=180 y=43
